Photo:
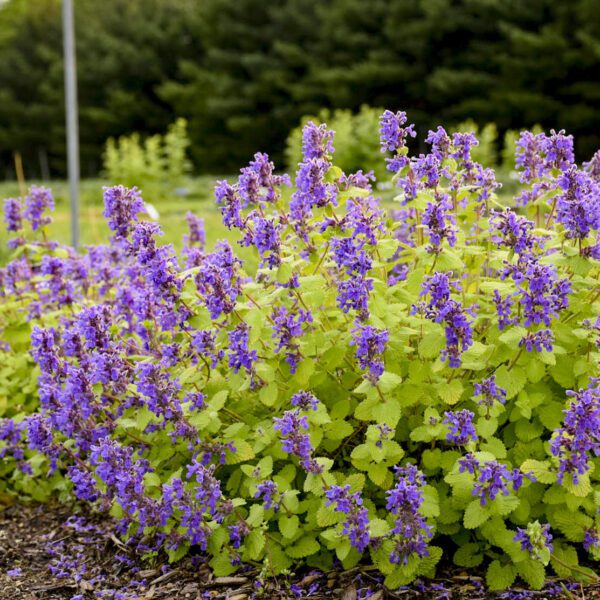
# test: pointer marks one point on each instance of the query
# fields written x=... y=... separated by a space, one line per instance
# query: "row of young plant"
x=379 y=390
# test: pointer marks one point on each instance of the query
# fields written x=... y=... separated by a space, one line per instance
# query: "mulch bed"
x=47 y=554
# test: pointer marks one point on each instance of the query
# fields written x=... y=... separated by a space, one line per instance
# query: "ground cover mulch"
x=55 y=552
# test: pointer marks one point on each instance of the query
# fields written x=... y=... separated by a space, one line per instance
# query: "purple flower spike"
x=356 y=524
x=462 y=430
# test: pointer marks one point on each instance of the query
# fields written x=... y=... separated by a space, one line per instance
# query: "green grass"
x=93 y=228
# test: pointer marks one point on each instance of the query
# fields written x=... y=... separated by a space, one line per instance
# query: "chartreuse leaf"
x=540 y=470
x=305 y=546
x=288 y=525
x=533 y=572
x=221 y=565
x=499 y=576
x=475 y=515
x=254 y=543
x=468 y=555
x=450 y=392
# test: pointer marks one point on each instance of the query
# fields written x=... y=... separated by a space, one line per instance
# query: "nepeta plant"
x=379 y=389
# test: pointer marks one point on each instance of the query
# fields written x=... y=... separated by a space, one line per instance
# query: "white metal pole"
x=71 y=116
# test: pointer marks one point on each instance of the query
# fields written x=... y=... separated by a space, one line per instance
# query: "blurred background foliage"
x=244 y=73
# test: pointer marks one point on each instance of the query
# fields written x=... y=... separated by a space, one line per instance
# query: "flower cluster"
x=580 y=435
x=461 y=428
x=370 y=345
x=356 y=523
x=291 y=425
x=410 y=532
x=492 y=477
x=287 y=328
x=442 y=309
x=536 y=539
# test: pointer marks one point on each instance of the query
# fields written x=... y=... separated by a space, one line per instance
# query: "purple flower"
x=349 y=254
x=44 y=349
x=392 y=135
x=356 y=524
x=410 y=533
x=204 y=343
x=370 y=345
x=493 y=479
x=121 y=207
x=37 y=201
x=230 y=204
x=265 y=235
x=290 y=425
x=559 y=151
x=16 y=572
x=535 y=539
x=311 y=187
x=207 y=489
x=197 y=233
x=287 y=328
x=580 y=435
x=317 y=141
x=593 y=166
x=442 y=309
x=504 y=310
x=578 y=207
x=304 y=400
x=440 y=223
x=515 y=232
x=529 y=156
x=462 y=430
x=218 y=280
x=257 y=178
x=591 y=539
x=239 y=354
x=468 y=463
x=540 y=340
x=485 y=179
x=489 y=392
x=440 y=143
x=268 y=491
x=353 y=294
x=543 y=295
x=462 y=144
x=13 y=216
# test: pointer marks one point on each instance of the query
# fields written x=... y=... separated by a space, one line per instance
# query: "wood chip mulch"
x=46 y=553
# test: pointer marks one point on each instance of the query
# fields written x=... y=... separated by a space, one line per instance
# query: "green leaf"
x=448 y=260
x=326 y=516
x=432 y=344
x=179 y=552
x=288 y=526
x=378 y=527
x=268 y=394
x=533 y=572
x=540 y=469
x=475 y=515
x=255 y=544
x=567 y=555
x=243 y=452
x=468 y=555
x=389 y=381
x=512 y=381
x=304 y=547
x=500 y=577
x=378 y=474
x=221 y=565
x=450 y=392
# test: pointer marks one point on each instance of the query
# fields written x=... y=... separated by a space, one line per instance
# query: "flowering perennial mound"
x=378 y=389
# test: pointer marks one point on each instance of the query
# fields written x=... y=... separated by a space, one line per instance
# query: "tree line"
x=243 y=72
